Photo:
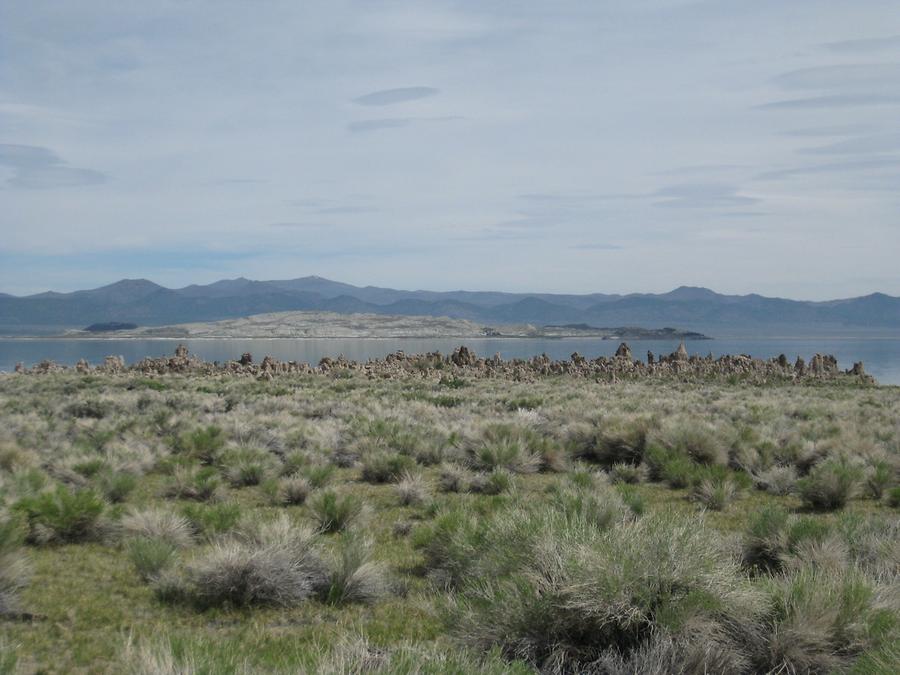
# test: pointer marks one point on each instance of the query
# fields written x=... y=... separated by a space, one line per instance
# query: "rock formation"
x=463 y=362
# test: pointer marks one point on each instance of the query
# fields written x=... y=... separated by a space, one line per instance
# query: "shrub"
x=609 y=442
x=766 y=539
x=703 y=444
x=89 y=409
x=878 y=477
x=384 y=467
x=247 y=468
x=822 y=619
x=150 y=556
x=628 y=473
x=204 y=444
x=160 y=524
x=318 y=475
x=116 y=485
x=9 y=659
x=496 y=482
x=214 y=519
x=779 y=479
x=289 y=491
x=504 y=446
x=333 y=512
x=600 y=508
x=412 y=489
x=632 y=498
x=275 y=564
x=453 y=478
x=63 y=515
x=14 y=567
x=356 y=577
x=829 y=485
x=560 y=592
x=714 y=494
x=893 y=497
x=201 y=484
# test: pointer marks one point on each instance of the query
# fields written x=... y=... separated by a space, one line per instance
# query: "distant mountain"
x=145 y=303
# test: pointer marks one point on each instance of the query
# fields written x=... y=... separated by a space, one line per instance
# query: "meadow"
x=341 y=524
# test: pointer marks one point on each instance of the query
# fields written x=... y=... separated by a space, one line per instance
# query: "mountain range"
x=145 y=303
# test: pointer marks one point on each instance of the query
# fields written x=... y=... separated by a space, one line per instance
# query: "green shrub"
x=214 y=519
x=90 y=409
x=714 y=493
x=189 y=482
x=610 y=442
x=9 y=658
x=203 y=444
x=14 y=568
x=560 y=592
x=288 y=491
x=63 y=515
x=116 y=485
x=453 y=478
x=318 y=475
x=150 y=556
x=766 y=539
x=356 y=578
x=333 y=512
x=893 y=497
x=384 y=467
x=91 y=467
x=879 y=477
x=822 y=619
x=246 y=468
x=412 y=490
x=628 y=473
x=829 y=485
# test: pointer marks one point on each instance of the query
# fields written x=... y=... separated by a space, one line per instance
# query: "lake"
x=880 y=355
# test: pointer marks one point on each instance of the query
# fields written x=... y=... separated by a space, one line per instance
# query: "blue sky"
x=553 y=146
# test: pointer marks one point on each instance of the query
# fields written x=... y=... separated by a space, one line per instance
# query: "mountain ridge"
x=695 y=308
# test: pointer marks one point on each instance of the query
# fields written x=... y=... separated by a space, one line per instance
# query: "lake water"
x=880 y=355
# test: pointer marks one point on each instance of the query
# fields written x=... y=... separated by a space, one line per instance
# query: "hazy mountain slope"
x=689 y=308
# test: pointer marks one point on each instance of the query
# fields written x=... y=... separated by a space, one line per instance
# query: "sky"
x=598 y=146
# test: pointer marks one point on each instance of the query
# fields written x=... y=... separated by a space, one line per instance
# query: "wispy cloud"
x=38 y=168
x=865 y=76
x=395 y=122
x=597 y=247
x=375 y=125
x=392 y=96
x=874 y=144
x=833 y=101
x=701 y=195
x=864 y=44
x=873 y=164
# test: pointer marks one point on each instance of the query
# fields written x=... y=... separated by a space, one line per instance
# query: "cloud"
x=40 y=168
x=375 y=125
x=701 y=195
x=875 y=163
x=597 y=247
x=864 y=44
x=362 y=126
x=835 y=101
x=866 y=76
x=700 y=169
x=836 y=130
x=878 y=143
x=392 y=96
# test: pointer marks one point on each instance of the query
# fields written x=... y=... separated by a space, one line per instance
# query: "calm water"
x=881 y=356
